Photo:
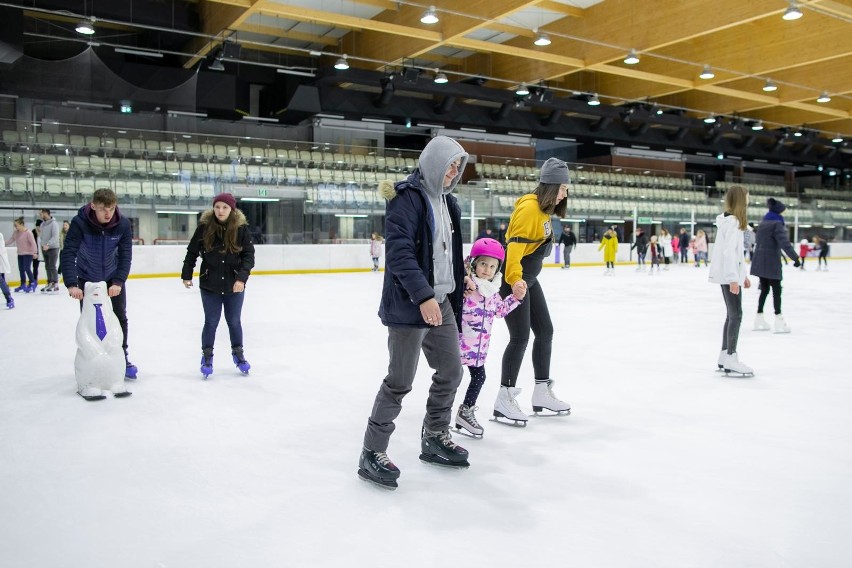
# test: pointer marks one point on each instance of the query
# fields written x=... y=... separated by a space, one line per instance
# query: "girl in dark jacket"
x=771 y=239
x=223 y=241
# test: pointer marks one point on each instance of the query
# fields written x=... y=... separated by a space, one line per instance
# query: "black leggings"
x=533 y=315
x=765 y=285
x=731 y=331
x=477 y=379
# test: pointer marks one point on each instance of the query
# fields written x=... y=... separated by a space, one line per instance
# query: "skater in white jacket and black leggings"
x=727 y=268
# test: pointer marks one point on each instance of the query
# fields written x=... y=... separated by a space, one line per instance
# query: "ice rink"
x=663 y=462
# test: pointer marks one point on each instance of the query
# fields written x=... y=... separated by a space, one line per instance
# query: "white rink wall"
x=167 y=260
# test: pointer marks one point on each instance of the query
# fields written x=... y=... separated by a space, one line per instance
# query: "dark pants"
x=566 y=255
x=684 y=254
x=213 y=305
x=477 y=379
x=731 y=331
x=35 y=270
x=822 y=258
x=531 y=315
x=765 y=285
x=440 y=345
x=119 y=308
x=4 y=287
x=25 y=267
x=51 y=256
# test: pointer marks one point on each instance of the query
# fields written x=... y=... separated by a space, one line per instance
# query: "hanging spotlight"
x=594 y=101
x=632 y=58
x=837 y=139
x=792 y=12
x=710 y=119
x=770 y=86
x=85 y=27
x=823 y=97
x=798 y=133
x=342 y=64
x=757 y=125
x=440 y=77
x=522 y=90
x=707 y=73
x=542 y=39
x=430 y=16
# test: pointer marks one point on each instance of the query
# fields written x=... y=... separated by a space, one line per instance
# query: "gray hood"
x=435 y=159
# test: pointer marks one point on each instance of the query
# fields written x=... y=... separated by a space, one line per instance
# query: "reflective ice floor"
x=663 y=463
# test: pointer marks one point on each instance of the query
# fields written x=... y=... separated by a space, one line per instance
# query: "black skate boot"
x=240 y=360
x=377 y=468
x=207 y=361
x=439 y=449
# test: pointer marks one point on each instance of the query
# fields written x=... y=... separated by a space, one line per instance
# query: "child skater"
x=375 y=250
x=478 y=312
x=822 y=246
x=804 y=248
x=656 y=251
x=727 y=269
x=4 y=268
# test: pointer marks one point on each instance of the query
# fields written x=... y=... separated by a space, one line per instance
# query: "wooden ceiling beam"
x=280 y=32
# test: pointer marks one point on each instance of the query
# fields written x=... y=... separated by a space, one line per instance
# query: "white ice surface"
x=663 y=463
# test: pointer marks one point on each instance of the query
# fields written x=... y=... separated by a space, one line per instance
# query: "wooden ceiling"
x=746 y=43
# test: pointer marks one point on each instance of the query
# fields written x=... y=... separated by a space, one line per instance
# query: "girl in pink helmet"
x=479 y=309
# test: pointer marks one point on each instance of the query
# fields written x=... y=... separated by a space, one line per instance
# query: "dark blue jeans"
x=25 y=266
x=213 y=304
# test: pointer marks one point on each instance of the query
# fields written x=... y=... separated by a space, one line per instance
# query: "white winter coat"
x=726 y=259
x=666 y=243
x=5 y=267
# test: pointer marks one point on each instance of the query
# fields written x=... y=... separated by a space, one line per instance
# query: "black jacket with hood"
x=219 y=270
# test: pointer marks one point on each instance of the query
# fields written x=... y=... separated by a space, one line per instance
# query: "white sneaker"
x=732 y=364
x=506 y=406
x=543 y=397
x=465 y=418
x=760 y=323
x=781 y=325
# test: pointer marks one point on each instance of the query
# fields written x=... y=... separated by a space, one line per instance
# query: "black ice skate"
x=377 y=468
x=439 y=449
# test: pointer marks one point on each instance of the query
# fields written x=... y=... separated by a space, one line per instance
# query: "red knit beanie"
x=227 y=199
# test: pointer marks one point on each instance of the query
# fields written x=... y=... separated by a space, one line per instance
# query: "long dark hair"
x=547 y=194
x=227 y=231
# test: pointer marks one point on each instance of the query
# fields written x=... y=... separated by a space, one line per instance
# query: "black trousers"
x=731 y=330
x=531 y=315
x=765 y=285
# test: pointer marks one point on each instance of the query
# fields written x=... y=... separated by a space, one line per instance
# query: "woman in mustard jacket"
x=609 y=244
x=529 y=239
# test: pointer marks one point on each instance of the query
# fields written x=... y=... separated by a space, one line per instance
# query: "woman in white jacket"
x=727 y=269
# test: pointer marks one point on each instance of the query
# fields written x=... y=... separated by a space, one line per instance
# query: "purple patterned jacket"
x=478 y=315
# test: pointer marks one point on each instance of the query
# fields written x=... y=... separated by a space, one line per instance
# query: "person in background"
x=224 y=242
x=748 y=243
x=728 y=271
x=99 y=248
x=771 y=239
x=65 y=226
x=50 y=250
x=683 y=244
x=569 y=243
x=822 y=246
x=656 y=253
x=700 y=245
x=4 y=268
x=24 y=241
x=501 y=234
x=675 y=249
x=609 y=244
x=37 y=259
x=421 y=307
x=530 y=240
x=641 y=246
x=665 y=242
x=804 y=249
x=375 y=250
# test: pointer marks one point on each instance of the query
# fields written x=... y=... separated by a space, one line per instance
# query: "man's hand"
x=431 y=312
x=75 y=293
x=114 y=291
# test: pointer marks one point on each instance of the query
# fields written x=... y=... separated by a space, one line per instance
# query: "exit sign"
x=645 y=220
x=262 y=192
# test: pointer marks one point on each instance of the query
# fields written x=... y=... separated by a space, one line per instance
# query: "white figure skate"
x=507 y=407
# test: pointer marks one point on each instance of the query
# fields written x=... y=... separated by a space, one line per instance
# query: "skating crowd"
x=433 y=300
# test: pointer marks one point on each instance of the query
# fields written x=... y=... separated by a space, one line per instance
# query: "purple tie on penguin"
x=99 y=365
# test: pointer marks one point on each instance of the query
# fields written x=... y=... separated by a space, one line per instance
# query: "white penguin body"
x=100 y=364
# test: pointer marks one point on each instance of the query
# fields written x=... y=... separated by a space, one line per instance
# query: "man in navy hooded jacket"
x=421 y=307
x=99 y=248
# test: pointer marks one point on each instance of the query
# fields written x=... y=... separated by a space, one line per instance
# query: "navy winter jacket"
x=409 y=274
x=771 y=239
x=95 y=252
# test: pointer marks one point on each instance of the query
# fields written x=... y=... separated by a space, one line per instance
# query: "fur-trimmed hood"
x=386 y=189
x=208 y=215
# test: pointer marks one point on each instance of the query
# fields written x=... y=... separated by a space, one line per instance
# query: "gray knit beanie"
x=554 y=170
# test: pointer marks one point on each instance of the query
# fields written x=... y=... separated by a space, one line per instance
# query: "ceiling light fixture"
x=837 y=139
x=522 y=90
x=707 y=73
x=710 y=119
x=342 y=63
x=770 y=86
x=85 y=27
x=430 y=16
x=758 y=125
x=594 y=101
x=216 y=64
x=798 y=133
x=823 y=97
x=440 y=77
x=541 y=39
x=632 y=58
x=792 y=12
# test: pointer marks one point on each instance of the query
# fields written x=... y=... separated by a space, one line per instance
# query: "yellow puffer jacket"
x=529 y=222
x=609 y=244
